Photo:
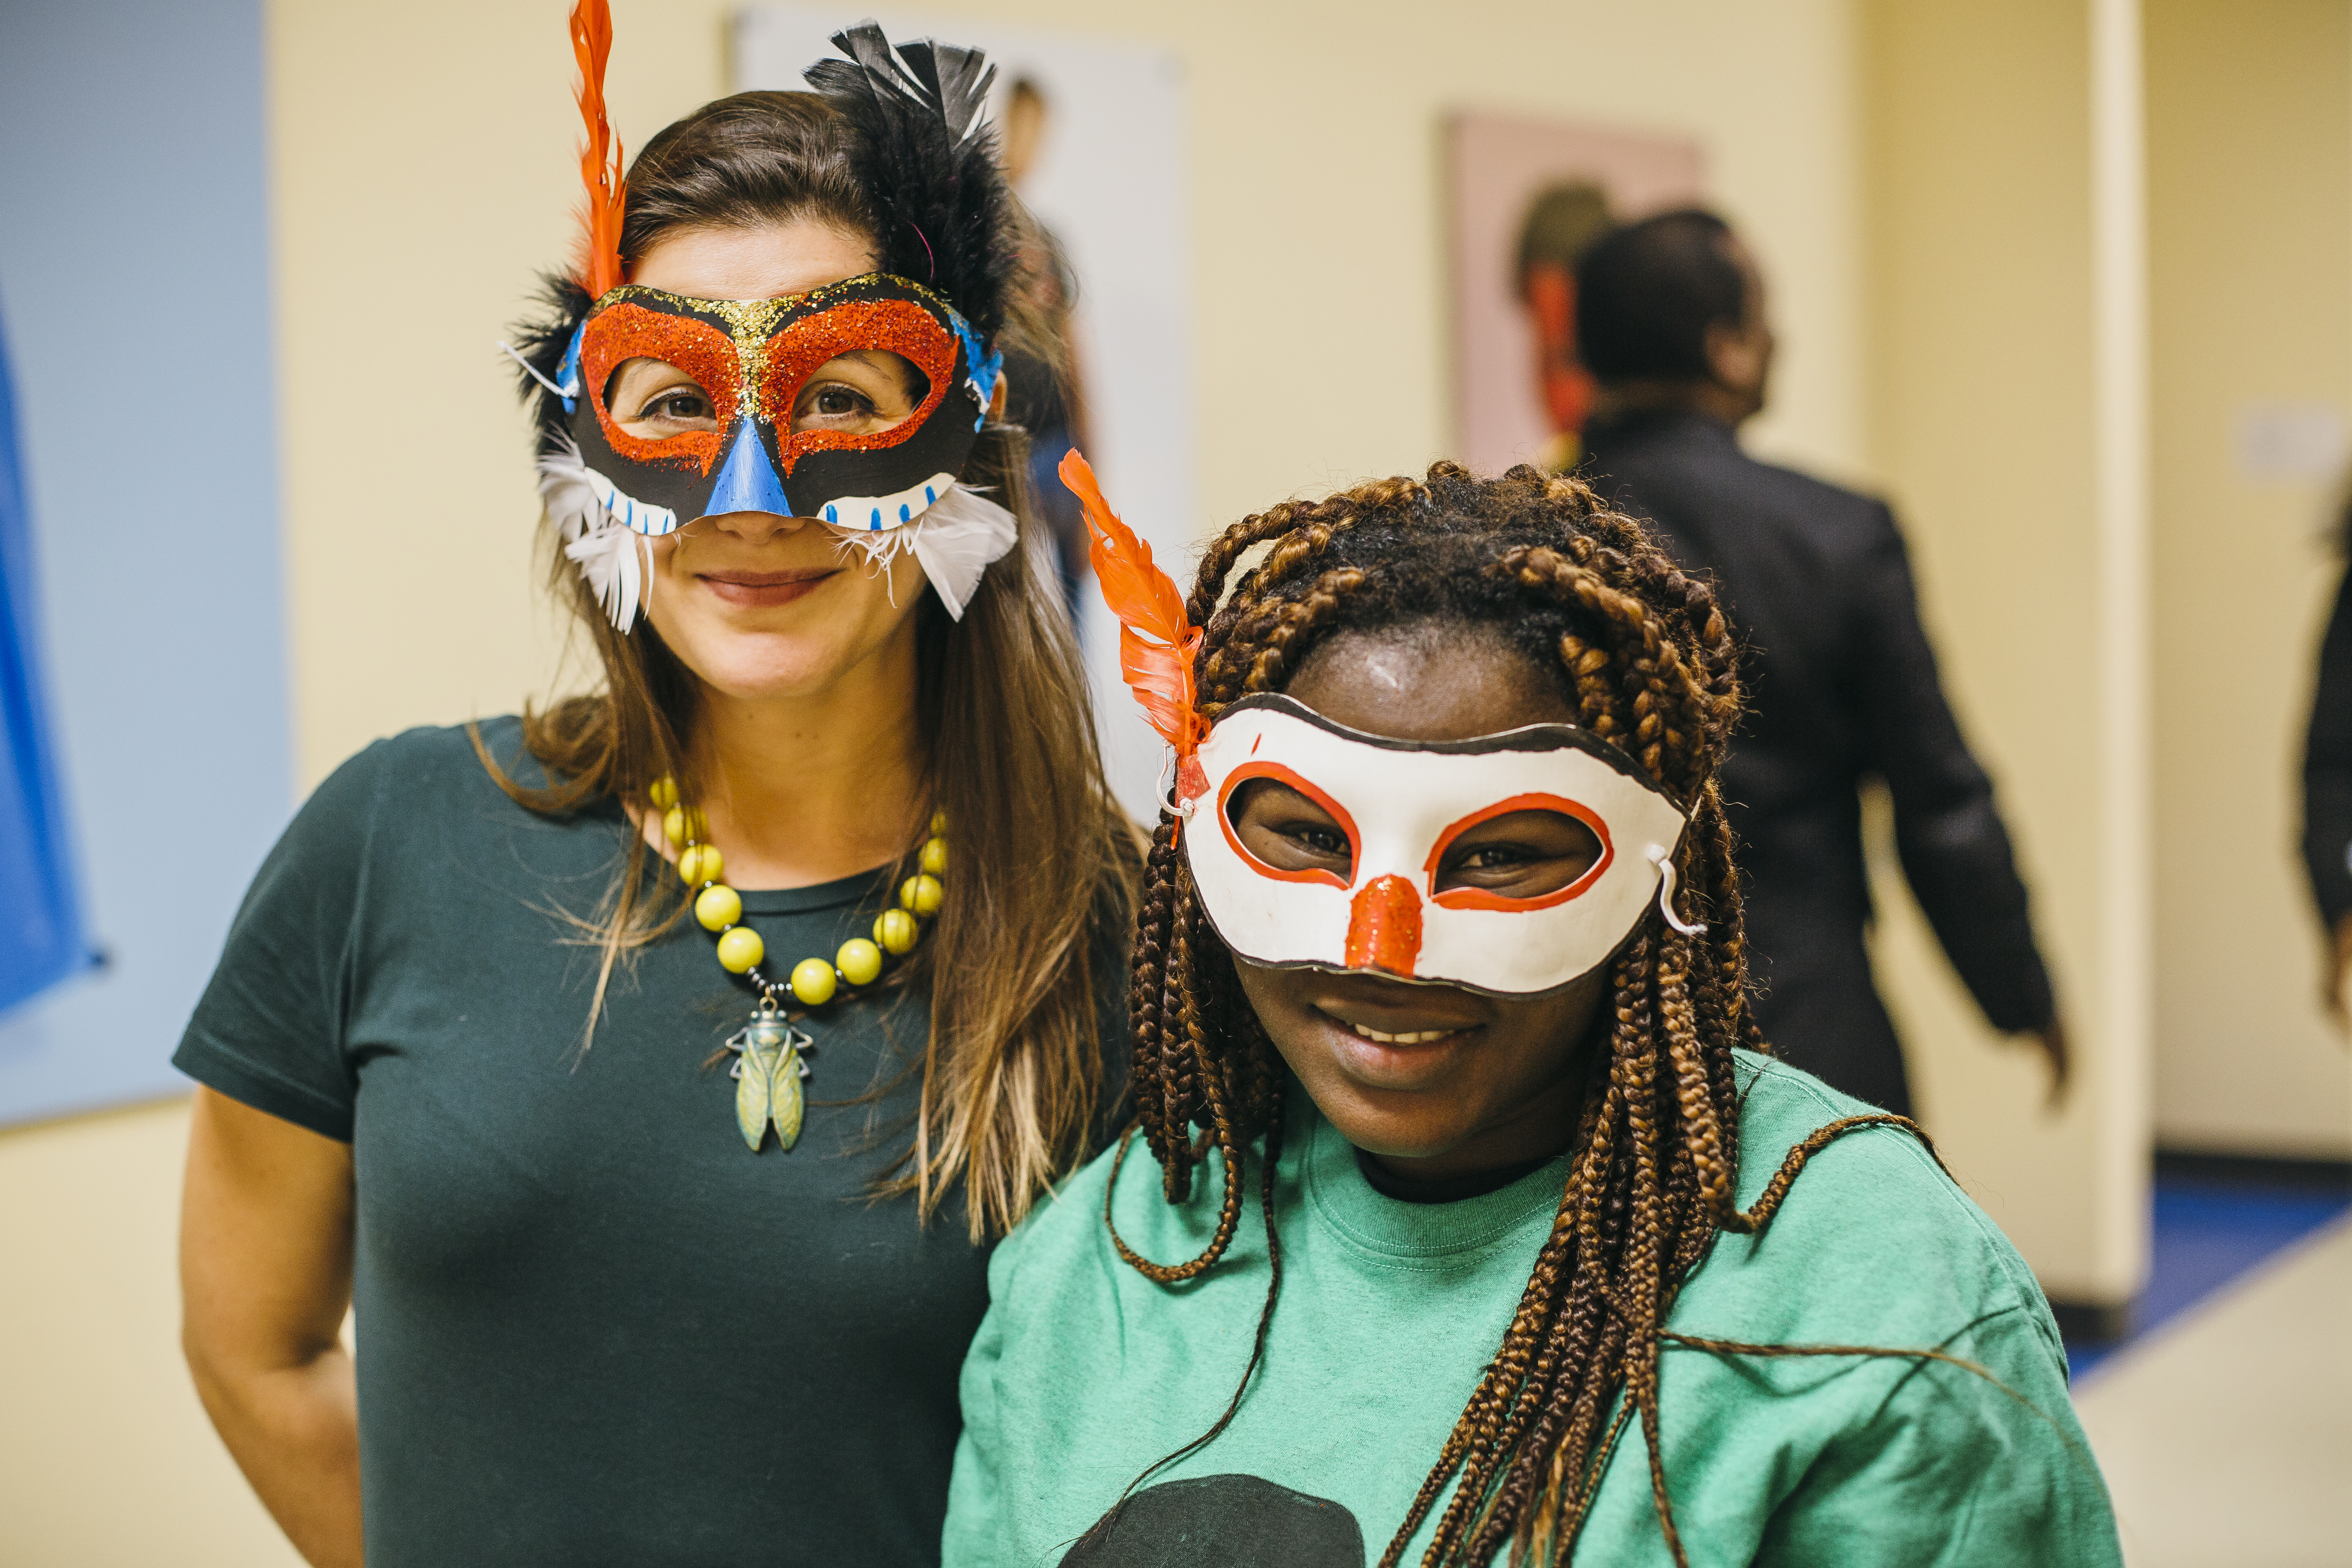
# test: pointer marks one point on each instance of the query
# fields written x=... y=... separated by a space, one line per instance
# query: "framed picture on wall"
x=1524 y=197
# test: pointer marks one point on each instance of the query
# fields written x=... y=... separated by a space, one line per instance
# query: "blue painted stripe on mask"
x=567 y=375
x=748 y=483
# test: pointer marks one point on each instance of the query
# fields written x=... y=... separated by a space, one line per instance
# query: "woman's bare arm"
x=265 y=1279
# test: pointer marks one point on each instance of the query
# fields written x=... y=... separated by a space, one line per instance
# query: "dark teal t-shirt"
x=592 y=1326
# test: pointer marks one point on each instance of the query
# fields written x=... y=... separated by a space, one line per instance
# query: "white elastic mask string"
x=532 y=371
x=1664 y=862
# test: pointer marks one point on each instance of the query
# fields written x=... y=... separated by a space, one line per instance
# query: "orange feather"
x=600 y=157
x=1156 y=642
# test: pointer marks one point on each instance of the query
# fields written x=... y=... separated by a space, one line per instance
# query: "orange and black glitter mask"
x=752 y=358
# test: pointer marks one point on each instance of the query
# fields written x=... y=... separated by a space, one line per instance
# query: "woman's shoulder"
x=430 y=768
x=442 y=753
x=1781 y=1106
x=1888 y=1247
x=1066 y=1222
x=429 y=790
x=1063 y=1244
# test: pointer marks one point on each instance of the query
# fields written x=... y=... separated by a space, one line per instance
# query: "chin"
x=753 y=663
x=1384 y=1121
x=754 y=674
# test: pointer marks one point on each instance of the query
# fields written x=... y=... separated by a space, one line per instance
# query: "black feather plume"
x=929 y=164
x=541 y=340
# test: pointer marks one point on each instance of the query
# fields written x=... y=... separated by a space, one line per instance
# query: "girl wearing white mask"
x=1441 y=958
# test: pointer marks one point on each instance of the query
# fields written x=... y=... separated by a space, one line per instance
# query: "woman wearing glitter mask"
x=651 y=1072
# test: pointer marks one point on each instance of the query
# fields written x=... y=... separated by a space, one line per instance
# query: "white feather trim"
x=957 y=538
x=595 y=540
x=609 y=560
x=954 y=540
x=563 y=487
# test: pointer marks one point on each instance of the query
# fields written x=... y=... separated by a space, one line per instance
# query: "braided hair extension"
x=1648 y=660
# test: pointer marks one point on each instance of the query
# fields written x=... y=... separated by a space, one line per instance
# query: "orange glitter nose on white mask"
x=1384 y=926
x=1401 y=805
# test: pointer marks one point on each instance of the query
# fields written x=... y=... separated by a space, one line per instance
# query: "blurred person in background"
x=2327 y=793
x=1561 y=225
x=1842 y=683
x=1044 y=393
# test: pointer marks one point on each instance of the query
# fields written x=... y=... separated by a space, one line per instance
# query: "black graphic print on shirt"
x=1222 y=1522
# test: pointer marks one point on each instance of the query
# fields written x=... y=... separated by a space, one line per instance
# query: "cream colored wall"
x=106 y=1459
x=422 y=173
x=2250 y=127
x=421 y=167
x=1984 y=395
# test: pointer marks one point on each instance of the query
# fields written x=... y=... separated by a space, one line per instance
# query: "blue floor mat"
x=2209 y=1231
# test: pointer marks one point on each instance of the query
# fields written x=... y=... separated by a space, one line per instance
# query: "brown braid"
x=1647 y=657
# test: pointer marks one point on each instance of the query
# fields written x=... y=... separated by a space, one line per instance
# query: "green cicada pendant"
x=768 y=1067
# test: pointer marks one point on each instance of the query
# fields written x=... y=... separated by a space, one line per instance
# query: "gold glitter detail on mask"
x=811 y=297
x=752 y=323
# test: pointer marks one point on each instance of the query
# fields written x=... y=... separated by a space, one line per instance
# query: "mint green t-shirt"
x=1085 y=1372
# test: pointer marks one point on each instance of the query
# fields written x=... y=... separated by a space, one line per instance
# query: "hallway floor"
x=2224 y=1426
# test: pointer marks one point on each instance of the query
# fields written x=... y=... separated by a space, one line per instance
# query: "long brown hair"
x=1647 y=657
x=1045 y=862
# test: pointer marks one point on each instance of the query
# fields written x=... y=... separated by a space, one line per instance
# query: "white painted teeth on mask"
x=1417 y=1037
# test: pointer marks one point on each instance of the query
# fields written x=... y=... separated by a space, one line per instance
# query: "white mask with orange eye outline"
x=1404 y=899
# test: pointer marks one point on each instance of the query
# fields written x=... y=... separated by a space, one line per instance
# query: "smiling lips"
x=1415 y=1037
x=1415 y=1015
x=763 y=590
x=1413 y=1059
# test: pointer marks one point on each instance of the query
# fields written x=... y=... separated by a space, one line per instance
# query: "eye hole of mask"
x=860 y=393
x=855 y=394
x=1527 y=854
x=653 y=399
x=1285 y=829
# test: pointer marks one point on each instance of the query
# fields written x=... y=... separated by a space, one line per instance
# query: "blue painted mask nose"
x=747 y=481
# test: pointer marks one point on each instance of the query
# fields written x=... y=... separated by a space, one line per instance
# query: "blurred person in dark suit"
x=1841 y=681
x=2328 y=795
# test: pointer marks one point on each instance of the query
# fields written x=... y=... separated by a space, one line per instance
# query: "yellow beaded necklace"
x=770 y=1062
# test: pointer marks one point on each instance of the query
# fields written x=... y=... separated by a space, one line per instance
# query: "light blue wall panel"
x=134 y=272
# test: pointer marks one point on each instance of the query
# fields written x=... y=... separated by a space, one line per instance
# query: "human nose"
x=755 y=526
